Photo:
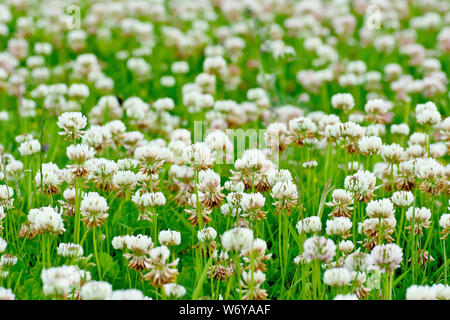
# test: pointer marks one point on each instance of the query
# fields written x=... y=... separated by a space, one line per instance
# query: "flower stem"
x=97 y=259
x=77 y=210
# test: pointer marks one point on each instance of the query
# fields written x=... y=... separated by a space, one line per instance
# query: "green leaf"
x=30 y=290
x=108 y=265
x=399 y=278
x=202 y=279
x=129 y=214
x=185 y=275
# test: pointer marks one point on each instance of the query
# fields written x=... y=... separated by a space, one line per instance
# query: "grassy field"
x=224 y=149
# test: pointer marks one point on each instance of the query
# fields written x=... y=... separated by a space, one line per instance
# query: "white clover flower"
x=6 y=294
x=259 y=245
x=382 y=208
x=309 y=225
x=392 y=153
x=72 y=123
x=127 y=294
x=149 y=199
x=7 y=261
x=252 y=160
x=23 y=137
x=252 y=201
x=176 y=148
x=102 y=168
x=342 y=201
x=444 y=223
x=139 y=67
x=343 y=101
x=77 y=91
x=14 y=167
x=417 y=292
x=428 y=117
x=237 y=239
x=159 y=255
x=417 y=138
x=181 y=135
x=46 y=220
x=349 y=296
x=302 y=124
x=119 y=242
x=214 y=64
x=29 y=147
x=427 y=114
x=310 y=164
x=377 y=106
x=401 y=129
x=164 y=104
x=124 y=179
x=62 y=281
x=4 y=116
x=169 y=237
x=180 y=67
x=3 y=274
x=69 y=194
x=70 y=250
x=174 y=290
x=199 y=155
x=219 y=141
x=135 y=108
x=428 y=169
x=207 y=82
x=3 y=245
x=151 y=157
x=206 y=234
x=127 y=164
x=356 y=117
x=421 y=216
x=355 y=184
x=208 y=178
x=286 y=193
x=346 y=246
x=358 y=261
x=339 y=226
x=337 y=277
x=116 y=128
x=96 y=290
x=51 y=177
x=402 y=198
x=167 y=81
x=80 y=153
x=387 y=257
x=301 y=259
x=438 y=149
x=442 y=291
x=96 y=137
x=139 y=242
x=258 y=277
x=276 y=136
x=6 y=196
x=234 y=186
x=94 y=209
x=375 y=129
x=2 y=213
x=370 y=145
x=319 y=248
x=415 y=151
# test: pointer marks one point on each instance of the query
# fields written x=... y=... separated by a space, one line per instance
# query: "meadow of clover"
x=224 y=149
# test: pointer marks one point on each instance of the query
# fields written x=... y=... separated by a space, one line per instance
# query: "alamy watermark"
x=73 y=17
x=373 y=17
x=242 y=140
